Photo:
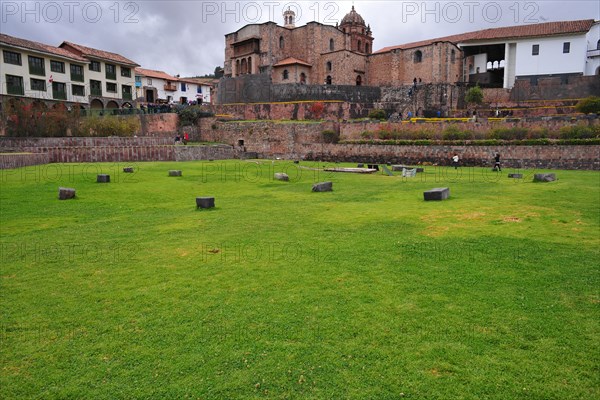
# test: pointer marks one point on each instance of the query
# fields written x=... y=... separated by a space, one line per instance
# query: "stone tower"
x=361 y=39
x=289 y=18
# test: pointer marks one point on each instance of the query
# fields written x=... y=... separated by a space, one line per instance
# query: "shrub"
x=317 y=109
x=578 y=132
x=589 y=105
x=330 y=136
x=190 y=115
x=109 y=126
x=453 y=133
x=515 y=133
x=377 y=114
x=367 y=135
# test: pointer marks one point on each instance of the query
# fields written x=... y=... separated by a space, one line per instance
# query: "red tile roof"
x=507 y=32
x=291 y=61
x=201 y=81
x=151 y=73
x=101 y=54
x=40 y=47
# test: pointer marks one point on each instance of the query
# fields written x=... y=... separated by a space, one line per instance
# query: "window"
x=111 y=71
x=328 y=80
x=57 y=66
x=367 y=48
x=111 y=87
x=183 y=87
x=36 y=66
x=126 y=90
x=149 y=81
x=281 y=43
x=96 y=88
x=95 y=66
x=418 y=57
x=126 y=72
x=359 y=46
x=331 y=45
x=566 y=47
x=199 y=89
x=328 y=66
x=303 y=78
x=14 y=85
x=77 y=73
x=10 y=57
x=38 y=84
x=535 y=50
x=286 y=74
x=59 y=91
x=452 y=56
x=358 y=80
x=78 y=90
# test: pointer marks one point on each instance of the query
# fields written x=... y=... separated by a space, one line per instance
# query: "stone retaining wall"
x=71 y=150
x=9 y=161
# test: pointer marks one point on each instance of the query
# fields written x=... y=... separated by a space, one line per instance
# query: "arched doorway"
x=328 y=80
x=358 y=80
x=96 y=105
x=303 y=78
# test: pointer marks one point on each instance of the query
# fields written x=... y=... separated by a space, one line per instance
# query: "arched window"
x=489 y=65
x=331 y=45
x=367 y=48
x=495 y=65
x=249 y=65
x=302 y=78
x=502 y=64
x=286 y=74
x=418 y=57
x=358 y=80
x=328 y=80
x=237 y=68
x=244 y=66
x=281 y=43
x=328 y=66
x=359 y=46
x=452 y=56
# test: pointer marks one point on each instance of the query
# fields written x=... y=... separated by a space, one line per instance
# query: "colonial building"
x=71 y=74
x=311 y=54
x=159 y=87
x=316 y=54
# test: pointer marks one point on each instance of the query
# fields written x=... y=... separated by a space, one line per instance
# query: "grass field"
x=367 y=292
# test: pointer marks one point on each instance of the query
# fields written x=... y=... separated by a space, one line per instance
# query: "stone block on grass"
x=128 y=170
x=323 y=187
x=280 y=176
x=66 y=193
x=437 y=194
x=544 y=177
x=102 y=178
x=515 y=176
x=205 y=202
x=174 y=173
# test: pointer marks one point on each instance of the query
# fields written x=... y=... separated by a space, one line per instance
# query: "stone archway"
x=96 y=104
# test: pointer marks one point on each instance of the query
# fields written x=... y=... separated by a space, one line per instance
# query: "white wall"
x=551 y=59
x=593 y=54
x=480 y=61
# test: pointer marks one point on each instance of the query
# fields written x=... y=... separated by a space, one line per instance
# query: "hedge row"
x=486 y=142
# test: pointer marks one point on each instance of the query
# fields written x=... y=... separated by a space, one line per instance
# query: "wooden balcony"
x=170 y=88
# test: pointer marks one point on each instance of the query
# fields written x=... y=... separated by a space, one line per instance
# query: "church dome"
x=353 y=18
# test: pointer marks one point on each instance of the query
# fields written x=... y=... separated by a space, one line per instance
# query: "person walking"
x=455 y=160
x=497 y=162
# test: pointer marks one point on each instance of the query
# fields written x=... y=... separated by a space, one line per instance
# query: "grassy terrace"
x=366 y=292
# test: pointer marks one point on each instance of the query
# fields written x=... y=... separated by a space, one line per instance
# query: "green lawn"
x=367 y=292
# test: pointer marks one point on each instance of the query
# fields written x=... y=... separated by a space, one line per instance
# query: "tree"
x=474 y=96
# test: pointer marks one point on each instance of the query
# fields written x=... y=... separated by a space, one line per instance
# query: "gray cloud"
x=187 y=37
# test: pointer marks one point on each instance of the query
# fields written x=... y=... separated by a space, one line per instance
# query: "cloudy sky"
x=187 y=37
